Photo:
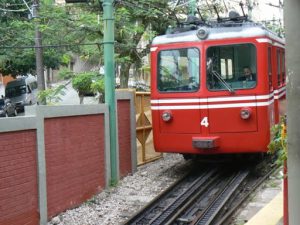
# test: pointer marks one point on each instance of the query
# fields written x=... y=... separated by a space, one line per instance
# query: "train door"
x=282 y=93
x=178 y=83
x=231 y=81
x=280 y=89
x=271 y=85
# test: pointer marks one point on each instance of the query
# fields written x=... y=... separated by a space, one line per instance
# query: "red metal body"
x=214 y=117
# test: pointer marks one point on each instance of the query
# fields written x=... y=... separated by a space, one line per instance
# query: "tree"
x=13 y=22
x=63 y=33
x=87 y=83
x=134 y=22
x=67 y=29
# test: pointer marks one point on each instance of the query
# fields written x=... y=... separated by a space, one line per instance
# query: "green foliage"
x=278 y=145
x=82 y=82
x=89 y=82
x=65 y=73
x=277 y=28
x=98 y=87
x=52 y=95
x=136 y=22
x=65 y=59
x=66 y=27
x=62 y=30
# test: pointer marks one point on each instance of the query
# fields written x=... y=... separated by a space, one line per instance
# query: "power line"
x=131 y=4
x=48 y=46
x=5 y=7
x=13 y=4
x=13 y=10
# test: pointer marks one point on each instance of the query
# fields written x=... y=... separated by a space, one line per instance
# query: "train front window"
x=231 y=67
x=178 y=70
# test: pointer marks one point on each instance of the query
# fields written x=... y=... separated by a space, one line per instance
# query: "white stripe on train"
x=215 y=99
x=213 y=106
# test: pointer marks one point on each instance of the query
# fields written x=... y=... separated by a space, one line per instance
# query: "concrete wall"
x=18 y=176
x=57 y=157
x=126 y=132
x=75 y=165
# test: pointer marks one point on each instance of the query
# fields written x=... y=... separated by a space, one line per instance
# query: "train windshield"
x=231 y=67
x=178 y=70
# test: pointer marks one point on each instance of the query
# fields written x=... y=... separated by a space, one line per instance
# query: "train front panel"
x=204 y=103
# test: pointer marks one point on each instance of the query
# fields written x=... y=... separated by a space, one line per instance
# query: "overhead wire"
x=13 y=10
x=49 y=46
x=6 y=7
x=13 y=4
x=131 y=4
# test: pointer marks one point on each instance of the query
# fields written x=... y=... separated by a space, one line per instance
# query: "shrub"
x=51 y=96
x=89 y=83
x=278 y=145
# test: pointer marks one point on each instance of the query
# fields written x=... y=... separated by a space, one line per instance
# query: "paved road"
x=70 y=97
x=1 y=89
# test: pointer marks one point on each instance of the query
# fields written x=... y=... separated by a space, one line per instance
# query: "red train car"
x=216 y=89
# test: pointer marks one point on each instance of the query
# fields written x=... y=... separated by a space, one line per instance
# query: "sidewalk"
x=271 y=214
x=266 y=204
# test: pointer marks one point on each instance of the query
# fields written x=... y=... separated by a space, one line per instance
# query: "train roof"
x=218 y=32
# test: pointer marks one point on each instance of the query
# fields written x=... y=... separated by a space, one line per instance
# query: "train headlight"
x=166 y=116
x=245 y=113
x=202 y=33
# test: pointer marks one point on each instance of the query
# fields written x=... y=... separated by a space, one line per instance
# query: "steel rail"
x=183 y=201
x=226 y=216
x=140 y=215
x=201 y=199
x=207 y=216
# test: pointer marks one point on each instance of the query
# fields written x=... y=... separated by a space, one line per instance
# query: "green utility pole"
x=192 y=7
x=109 y=69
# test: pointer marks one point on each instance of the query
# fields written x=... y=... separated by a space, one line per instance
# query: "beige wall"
x=60 y=1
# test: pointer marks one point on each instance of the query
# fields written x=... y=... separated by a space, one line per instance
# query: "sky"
x=261 y=10
x=264 y=11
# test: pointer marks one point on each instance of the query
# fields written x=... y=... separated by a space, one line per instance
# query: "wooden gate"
x=145 y=148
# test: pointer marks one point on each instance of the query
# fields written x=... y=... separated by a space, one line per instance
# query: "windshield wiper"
x=215 y=73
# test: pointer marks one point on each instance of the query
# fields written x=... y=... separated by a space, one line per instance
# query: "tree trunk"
x=101 y=98
x=48 y=78
x=81 y=99
x=124 y=76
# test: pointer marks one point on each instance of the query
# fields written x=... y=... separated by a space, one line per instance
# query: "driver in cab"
x=247 y=75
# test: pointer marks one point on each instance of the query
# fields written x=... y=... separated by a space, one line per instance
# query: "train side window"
x=278 y=68
x=270 y=68
x=231 y=67
x=178 y=70
x=283 y=67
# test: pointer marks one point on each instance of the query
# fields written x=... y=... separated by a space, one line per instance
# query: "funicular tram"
x=216 y=87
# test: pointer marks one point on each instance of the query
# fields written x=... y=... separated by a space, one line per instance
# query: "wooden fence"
x=144 y=135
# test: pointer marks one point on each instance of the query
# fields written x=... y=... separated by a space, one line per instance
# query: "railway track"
x=204 y=197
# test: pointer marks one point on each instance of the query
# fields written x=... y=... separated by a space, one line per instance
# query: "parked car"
x=22 y=91
x=7 y=108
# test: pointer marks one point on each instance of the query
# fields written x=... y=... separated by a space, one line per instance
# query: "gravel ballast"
x=115 y=205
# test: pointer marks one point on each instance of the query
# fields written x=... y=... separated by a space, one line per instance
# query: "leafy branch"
x=278 y=145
